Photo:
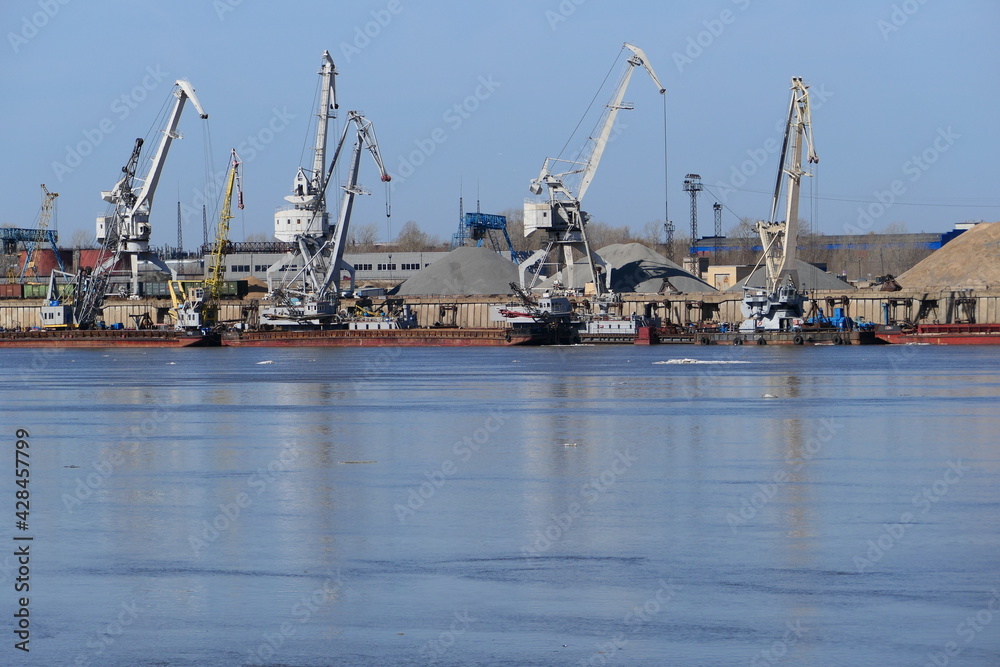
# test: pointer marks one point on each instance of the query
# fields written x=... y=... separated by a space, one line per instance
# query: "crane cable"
x=591 y=105
x=666 y=181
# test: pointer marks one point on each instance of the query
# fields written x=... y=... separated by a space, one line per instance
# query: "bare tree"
x=83 y=239
x=742 y=238
x=363 y=238
x=601 y=234
x=257 y=237
x=411 y=238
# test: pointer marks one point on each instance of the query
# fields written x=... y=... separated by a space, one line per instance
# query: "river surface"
x=672 y=505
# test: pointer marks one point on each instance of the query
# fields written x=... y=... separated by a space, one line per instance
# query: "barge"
x=394 y=337
x=98 y=338
x=804 y=337
x=940 y=334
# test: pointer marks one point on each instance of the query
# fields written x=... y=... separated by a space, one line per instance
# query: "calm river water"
x=670 y=505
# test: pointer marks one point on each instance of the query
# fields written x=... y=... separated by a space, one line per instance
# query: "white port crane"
x=561 y=217
x=779 y=303
x=127 y=229
x=323 y=267
x=780 y=238
x=123 y=231
x=308 y=295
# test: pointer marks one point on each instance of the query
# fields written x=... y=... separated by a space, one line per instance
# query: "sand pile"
x=463 y=271
x=637 y=268
x=971 y=261
x=810 y=278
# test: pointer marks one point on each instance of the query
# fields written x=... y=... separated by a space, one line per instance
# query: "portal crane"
x=313 y=301
x=128 y=225
x=561 y=217
x=200 y=308
x=780 y=238
x=780 y=304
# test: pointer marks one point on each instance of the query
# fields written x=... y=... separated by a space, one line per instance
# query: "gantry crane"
x=198 y=307
x=779 y=303
x=560 y=217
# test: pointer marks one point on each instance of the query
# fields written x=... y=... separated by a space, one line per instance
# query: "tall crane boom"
x=365 y=140
x=214 y=283
x=307 y=216
x=780 y=238
x=128 y=226
x=600 y=143
x=779 y=305
x=561 y=217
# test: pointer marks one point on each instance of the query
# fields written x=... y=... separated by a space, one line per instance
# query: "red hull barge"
x=477 y=337
x=107 y=338
x=941 y=334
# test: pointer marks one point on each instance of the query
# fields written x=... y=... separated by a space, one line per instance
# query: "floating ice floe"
x=700 y=361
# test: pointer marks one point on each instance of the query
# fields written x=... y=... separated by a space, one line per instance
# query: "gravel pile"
x=971 y=261
x=810 y=278
x=637 y=268
x=463 y=271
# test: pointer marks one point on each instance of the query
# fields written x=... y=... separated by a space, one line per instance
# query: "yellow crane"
x=200 y=306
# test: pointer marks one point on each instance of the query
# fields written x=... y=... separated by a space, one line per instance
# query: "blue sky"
x=904 y=100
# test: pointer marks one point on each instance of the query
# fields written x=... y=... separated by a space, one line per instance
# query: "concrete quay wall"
x=474 y=311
